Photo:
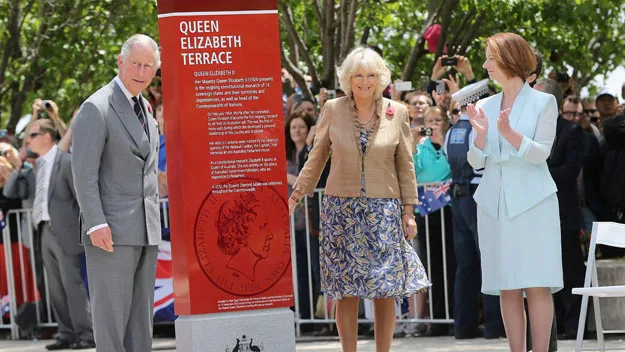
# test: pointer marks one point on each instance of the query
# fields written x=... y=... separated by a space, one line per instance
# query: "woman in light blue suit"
x=518 y=217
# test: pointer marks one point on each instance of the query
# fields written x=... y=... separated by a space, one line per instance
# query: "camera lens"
x=47 y=104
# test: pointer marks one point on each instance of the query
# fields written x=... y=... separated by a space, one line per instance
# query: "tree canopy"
x=65 y=49
x=579 y=36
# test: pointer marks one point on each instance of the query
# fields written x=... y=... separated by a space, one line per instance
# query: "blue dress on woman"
x=363 y=249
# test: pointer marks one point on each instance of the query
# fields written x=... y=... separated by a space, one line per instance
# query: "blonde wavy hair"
x=370 y=60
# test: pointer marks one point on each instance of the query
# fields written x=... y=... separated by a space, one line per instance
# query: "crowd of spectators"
x=595 y=163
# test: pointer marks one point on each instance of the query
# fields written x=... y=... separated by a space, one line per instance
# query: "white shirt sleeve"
x=476 y=156
x=96 y=227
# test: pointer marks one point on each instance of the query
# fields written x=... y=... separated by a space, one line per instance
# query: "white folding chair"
x=610 y=234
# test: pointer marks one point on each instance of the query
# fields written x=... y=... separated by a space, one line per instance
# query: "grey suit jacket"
x=115 y=168
x=62 y=204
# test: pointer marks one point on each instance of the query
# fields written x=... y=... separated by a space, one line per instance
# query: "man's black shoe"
x=435 y=330
x=58 y=345
x=470 y=335
x=83 y=345
x=567 y=335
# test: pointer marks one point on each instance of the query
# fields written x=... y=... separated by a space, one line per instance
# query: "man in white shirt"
x=55 y=215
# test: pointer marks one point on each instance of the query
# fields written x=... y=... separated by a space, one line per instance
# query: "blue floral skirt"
x=363 y=252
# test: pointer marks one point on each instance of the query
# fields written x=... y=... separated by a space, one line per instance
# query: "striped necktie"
x=139 y=112
x=40 y=191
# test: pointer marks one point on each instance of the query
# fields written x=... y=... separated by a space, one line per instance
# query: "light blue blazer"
x=521 y=174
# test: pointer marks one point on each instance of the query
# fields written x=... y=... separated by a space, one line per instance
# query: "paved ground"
x=421 y=344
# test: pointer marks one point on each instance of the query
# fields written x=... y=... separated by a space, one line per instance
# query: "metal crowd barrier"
x=25 y=231
x=327 y=316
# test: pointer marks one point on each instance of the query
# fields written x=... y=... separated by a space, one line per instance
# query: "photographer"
x=50 y=108
x=459 y=63
x=431 y=165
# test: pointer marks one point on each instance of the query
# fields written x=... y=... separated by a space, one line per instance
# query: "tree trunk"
x=328 y=33
x=298 y=76
x=300 y=45
x=470 y=34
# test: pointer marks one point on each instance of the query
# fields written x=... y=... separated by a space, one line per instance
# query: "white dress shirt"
x=48 y=158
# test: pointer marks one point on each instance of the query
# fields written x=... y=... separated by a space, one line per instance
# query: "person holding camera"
x=55 y=215
x=431 y=166
x=52 y=110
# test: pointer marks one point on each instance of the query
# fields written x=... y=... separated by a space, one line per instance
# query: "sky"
x=615 y=80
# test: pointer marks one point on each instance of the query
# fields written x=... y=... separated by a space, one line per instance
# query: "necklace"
x=370 y=117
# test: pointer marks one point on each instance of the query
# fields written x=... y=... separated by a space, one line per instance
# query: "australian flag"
x=433 y=197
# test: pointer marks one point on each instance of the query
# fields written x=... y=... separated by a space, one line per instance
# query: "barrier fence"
x=24 y=280
x=327 y=315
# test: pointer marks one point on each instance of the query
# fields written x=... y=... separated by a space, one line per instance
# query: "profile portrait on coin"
x=243 y=234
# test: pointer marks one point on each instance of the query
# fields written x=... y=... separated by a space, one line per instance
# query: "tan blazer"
x=389 y=170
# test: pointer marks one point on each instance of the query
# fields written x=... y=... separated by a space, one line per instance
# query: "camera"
x=331 y=94
x=449 y=61
x=3 y=153
x=47 y=104
x=425 y=131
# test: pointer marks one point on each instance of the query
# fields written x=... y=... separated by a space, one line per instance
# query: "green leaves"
x=580 y=36
x=66 y=49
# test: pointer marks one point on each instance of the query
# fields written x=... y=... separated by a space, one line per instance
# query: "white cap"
x=471 y=93
x=607 y=91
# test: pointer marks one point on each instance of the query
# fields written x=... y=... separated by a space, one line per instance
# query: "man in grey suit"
x=55 y=215
x=115 y=143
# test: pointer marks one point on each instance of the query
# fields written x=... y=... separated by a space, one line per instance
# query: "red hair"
x=512 y=54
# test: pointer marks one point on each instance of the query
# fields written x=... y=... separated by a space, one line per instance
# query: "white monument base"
x=268 y=330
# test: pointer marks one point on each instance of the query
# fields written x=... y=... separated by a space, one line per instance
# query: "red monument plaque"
x=226 y=165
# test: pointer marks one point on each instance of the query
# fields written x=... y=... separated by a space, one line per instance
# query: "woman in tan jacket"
x=367 y=218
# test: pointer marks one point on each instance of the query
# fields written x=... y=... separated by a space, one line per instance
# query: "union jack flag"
x=442 y=190
x=164 y=286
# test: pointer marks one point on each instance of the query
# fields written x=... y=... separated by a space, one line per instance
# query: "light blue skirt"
x=521 y=252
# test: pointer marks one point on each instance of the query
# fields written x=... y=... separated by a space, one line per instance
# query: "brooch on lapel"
x=390 y=110
x=150 y=108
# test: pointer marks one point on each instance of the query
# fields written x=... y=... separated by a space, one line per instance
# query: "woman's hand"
x=409 y=225
x=438 y=70
x=416 y=137
x=503 y=124
x=464 y=67
x=294 y=200
x=442 y=100
x=437 y=135
x=452 y=83
x=478 y=120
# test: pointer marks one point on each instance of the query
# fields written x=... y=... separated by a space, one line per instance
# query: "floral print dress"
x=363 y=251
